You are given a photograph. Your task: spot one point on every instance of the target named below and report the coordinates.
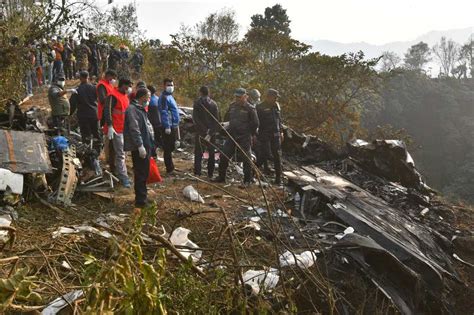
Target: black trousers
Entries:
(94, 68)
(228, 152)
(89, 128)
(269, 146)
(62, 125)
(200, 145)
(141, 169)
(168, 148)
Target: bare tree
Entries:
(446, 51)
(390, 60)
(219, 26)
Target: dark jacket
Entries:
(270, 119)
(154, 113)
(85, 101)
(206, 116)
(243, 120)
(137, 129)
(59, 104)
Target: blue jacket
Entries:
(168, 111)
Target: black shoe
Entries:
(218, 180)
(142, 205)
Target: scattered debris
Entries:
(179, 238)
(191, 193)
(306, 259)
(62, 302)
(261, 279)
(80, 229)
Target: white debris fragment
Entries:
(80, 229)
(179, 237)
(5, 220)
(58, 304)
(255, 219)
(65, 265)
(261, 279)
(348, 230)
(424, 211)
(253, 225)
(11, 180)
(191, 193)
(306, 259)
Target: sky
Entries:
(372, 21)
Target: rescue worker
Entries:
(94, 56)
(254, 97)
(82, 56)
(114, 58)
(138, 138)
(206, 124)
(169, 116)
(114, 117)
(60, 107)
(58, 62)
(270, 132)
(137, 62)
(243, 124)
(104, 88)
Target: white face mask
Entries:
(113, 81)
(61, 83)
(129, 90)
(145, 103)
(170, 89)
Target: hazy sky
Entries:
(372, 21)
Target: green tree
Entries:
(465, 58)
(417, 56)
(123, 22)
(274, 18)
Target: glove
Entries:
(156, 151)
(73, 91)
(111, 133)
(168, 131)
(142, 152)
(177, 144)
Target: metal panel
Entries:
(24, 152)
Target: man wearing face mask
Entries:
(243, 124)
(114, 117)
(104, 88)
(169, 122)
(60, 107)
(139, 139)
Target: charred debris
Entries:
(365, 211)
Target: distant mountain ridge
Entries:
(333, 48)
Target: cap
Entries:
(240, 92)
(60, 77)
(273, 92)
(125, 81)
(84, 74)
(254, 94)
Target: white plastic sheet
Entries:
(11, 180)
(306, 259)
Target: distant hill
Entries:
(371, 51)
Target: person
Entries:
(94, 56)
(68, 58)
(60, 107)
(85, 100)
(114, 118)
(206, 124)
(169, 115)
(138, 138)
(114, 58)
(254, 97)
(41, 59)
(139, 85)
(270, 134)
(137, 62)
(58, 61)
(154, 115)
(243, 124)
(82, 56)
(104, 88)
(30, 72)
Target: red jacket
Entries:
(118, 112)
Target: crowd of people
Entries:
(118, 116)
(68, 57)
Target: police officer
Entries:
(206, 124)
(270, 132)
(243, 124)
